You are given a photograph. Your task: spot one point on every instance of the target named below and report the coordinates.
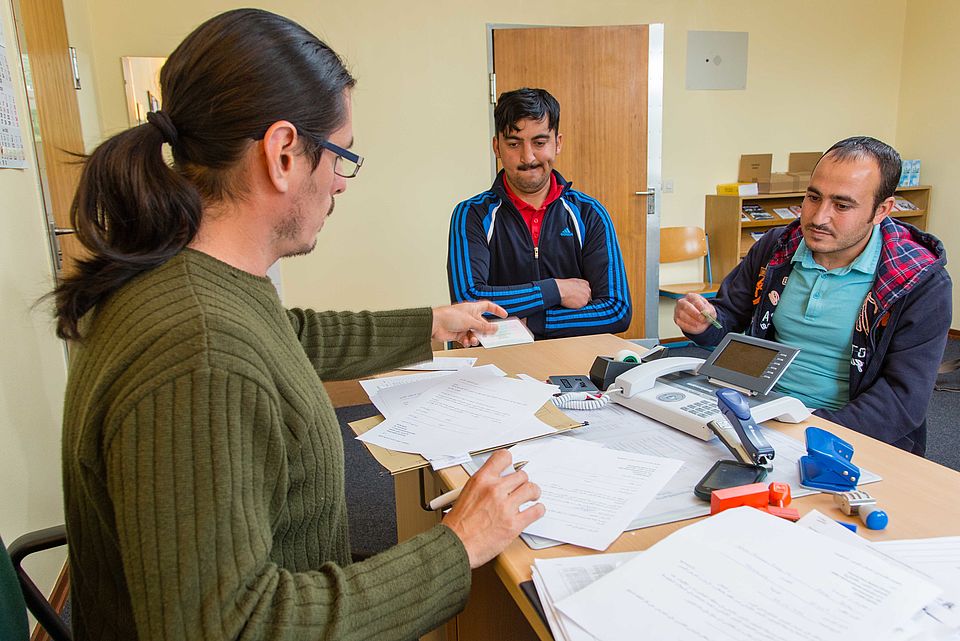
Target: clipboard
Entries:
(400, 462)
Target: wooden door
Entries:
(54, 101)
(599, 75)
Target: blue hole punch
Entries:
(827, 464)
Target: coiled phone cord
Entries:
(584, 400)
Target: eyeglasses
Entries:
(347, 164)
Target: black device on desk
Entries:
(726, 474)
(573, 383)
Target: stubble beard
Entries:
(291, 228)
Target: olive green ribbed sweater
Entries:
(203, 469)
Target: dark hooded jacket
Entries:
(898, 337)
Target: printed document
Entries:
(556, 579)
(467, 411)
(937, 560)
(746, 575)
(395, 394)
(392, 402)
(591, 493)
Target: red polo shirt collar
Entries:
(533, 216)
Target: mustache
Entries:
(526, 167)
(823, 228)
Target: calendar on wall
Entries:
(11, 140)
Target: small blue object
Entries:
(850, 526)
(874, 519)
(827, 464)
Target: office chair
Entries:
(19, 592)
(678, 244)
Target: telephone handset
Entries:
(643, 377)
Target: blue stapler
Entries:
(827, 464)
(737, 412)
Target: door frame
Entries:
(654, 156)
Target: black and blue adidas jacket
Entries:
(491, 256)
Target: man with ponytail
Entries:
(202, 459)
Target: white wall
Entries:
(927, 125)
(33, 373)
(818, 71)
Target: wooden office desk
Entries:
(919, 495)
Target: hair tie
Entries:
(162, 122)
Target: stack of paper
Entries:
(556, 579)
(449, 415)
(741, 575)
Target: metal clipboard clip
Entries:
(827, 464)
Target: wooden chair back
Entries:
(682, 243)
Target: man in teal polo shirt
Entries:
(866, 298)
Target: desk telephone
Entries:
(682, 391)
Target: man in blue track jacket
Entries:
(533, 245)
(866, 298)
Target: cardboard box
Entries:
(804, 161)
(755, 168)
(780, 183)
(801, 167)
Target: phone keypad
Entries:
(706, 410)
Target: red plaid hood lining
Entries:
(906, 256)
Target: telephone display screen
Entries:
(751, 360)
(748, 362)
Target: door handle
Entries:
(63, 231)
(651, 200)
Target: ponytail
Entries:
(132, 213)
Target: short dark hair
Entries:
(222, 88)
(519, 104)
(887, 158)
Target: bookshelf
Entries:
(730, 237)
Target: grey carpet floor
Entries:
(370, 497)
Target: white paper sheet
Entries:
(443, 363)
(394, 395)
(392, 402)
(556, 579)
(510, 331)
(590, 493)
(468, 411)
(937, 560)
(744, 575)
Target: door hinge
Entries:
(76, 67)
(493, 89)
